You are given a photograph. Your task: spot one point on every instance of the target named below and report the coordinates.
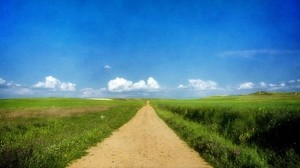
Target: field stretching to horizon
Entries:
(51, 132)
(256, 130)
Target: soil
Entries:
(145, 141)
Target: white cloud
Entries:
(140, 85)
(52, 86)
(291, 85)
(107, 67)
(181, 86)
(2, 81)
(124, 85)
(10, 84)
(202, 85)
(55, 84)
(119, 85)
(199, 84)
(246, 85)
(51, 82)
(152, 83)
(67, 86)
(281, 85)
(39, 84)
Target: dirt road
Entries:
(145, 141)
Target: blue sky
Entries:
(122, 48)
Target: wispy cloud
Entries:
(291, 85)
(198, 87)
(90, 92)
(263, 84)
(2, 81)
(12, 89)
(8, 84)
(258, 52)
(199, 84)
(279, 86)
(124, 85)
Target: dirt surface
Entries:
(145, 141)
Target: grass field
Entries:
(51, 132)
(258, 130)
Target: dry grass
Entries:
(48, 112)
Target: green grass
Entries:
(57, 102)
(219, 151)
(229, 131)
(54, 141)
(262, 127)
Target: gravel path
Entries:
(145, 141)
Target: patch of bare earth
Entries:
(145, 141)
(51, 111)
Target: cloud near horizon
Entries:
(11, 89)
(246, 85)
(8, 84)
(292, 85)
(55, 84)
(2, 81)
(90, 92)
(123, 85)
(199, 84)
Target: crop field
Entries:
(51, 132)
(257, 130)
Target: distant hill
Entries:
(261, 93)
(275, 93)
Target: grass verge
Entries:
(218, 151)
(53, 141)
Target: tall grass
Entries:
(214, 148)
(267, 123)
(55, 141)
